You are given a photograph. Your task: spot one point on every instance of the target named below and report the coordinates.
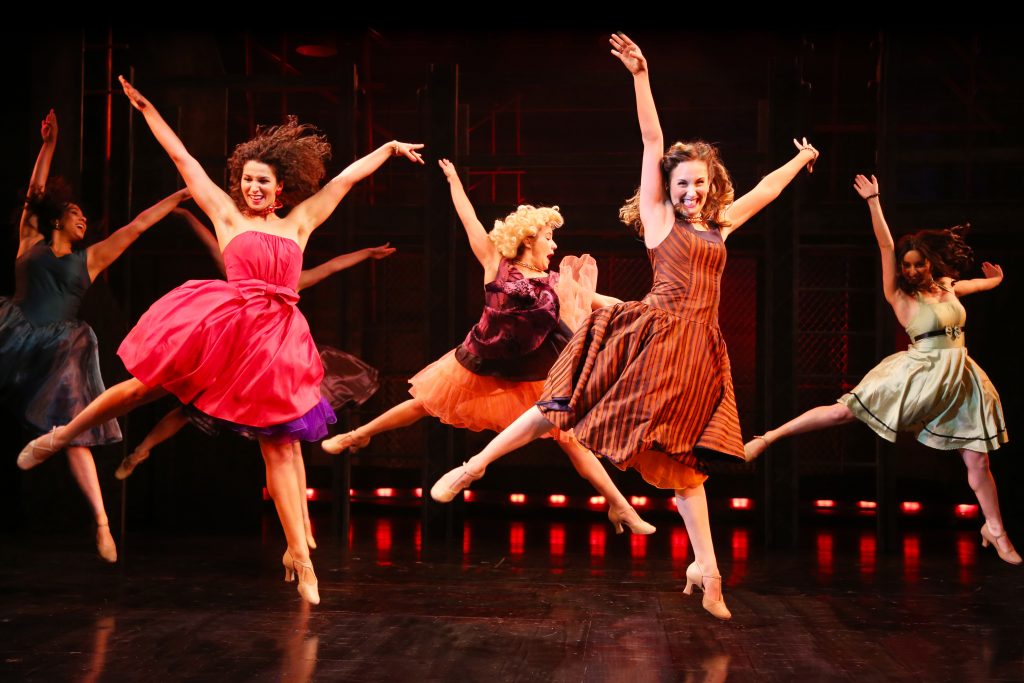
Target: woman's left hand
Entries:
(134, 96)
(383, 251)
(804, 146)
(408, 150)
(992, 271)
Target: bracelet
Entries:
(871, 196)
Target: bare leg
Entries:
(168, 426)
(112, 403)
(83, 468)
(692, 504)
(979, 476)
(300, 476)
(402, 415)
(619, 510)
(284, 489)
(821, 417)
(527, 427)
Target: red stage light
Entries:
(556, 499)
(741, 503)
(468, 495)
(517, 498)
(824, 503)
(597, 501)
(639, 501)
(910, 507)
(966, 510)
(266, 493)
(385, 492)
(867, 504)
(418, 492)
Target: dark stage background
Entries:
(544, 117)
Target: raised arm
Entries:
(770, 187)
(656, 212)
(868, 190)
(100, 255)
(310, 213)
(204, 235)
(313, 276)
(993, 276)
(214, 202)
(483, 248)
(28, 230)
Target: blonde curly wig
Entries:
(523, 223)
(720, 191)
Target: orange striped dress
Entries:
(647, 384)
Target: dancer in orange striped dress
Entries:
(647, 384)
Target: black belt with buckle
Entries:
(953, 331)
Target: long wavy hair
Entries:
(720, 191)
(295, 151)
(946, 251)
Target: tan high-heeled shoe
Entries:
(452, 483)
(630, 519)
(695, 577)
(755, 447)
(36, 452)
(308, 586)
(130, 462)
(349, 440)
(105, 543)
(988, 538)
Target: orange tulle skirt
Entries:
(459, 398)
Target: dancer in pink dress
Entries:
(240, 351)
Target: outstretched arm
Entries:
(214, 202)
(204, 235)
(310, 213)
(656, 213)
(28, 230)
(313, 276)
(770, 187)
(993, 276)
(100, 255)
(868, 190)
(483, 248)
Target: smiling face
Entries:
(72, 223)
(916, 269)
(537, 251)
(259, 186)
(688, 188)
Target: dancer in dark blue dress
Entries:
(49, 364)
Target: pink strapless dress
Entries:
(238, 351)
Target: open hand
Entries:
(383, 251)
(865, 188)
(628, 53)
(134, 96)
(448, 168)
(992, 270)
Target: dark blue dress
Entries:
(49, 360)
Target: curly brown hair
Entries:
(49, 206)
(720, 191)
(296, 151)
(946, 251)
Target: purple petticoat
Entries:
(309, 427)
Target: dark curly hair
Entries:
(49, 205)
(296, 151)
(946, 251)
(720, 192)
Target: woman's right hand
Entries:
(49, 128)
(864, 187)
(134, 96)
(449, 169)
(628, 53)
